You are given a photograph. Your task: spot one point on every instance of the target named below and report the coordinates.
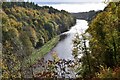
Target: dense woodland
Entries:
(102, 58)
(25, 28)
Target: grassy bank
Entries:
(38, 54)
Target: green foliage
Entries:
(104, 45)
(80, 48)
(105, 35)
(43, 50)
(26, 27)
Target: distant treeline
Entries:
(88, 16)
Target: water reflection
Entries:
(60, 58)
(64, 47)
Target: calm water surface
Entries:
(64, 48)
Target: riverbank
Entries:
(65, 46)
(44, 49)
(39, 53)
(63, 50)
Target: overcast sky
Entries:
(77, 7)
(67, 0)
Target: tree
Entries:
(81, 49)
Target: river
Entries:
(64, 48)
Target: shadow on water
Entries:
(63, 36)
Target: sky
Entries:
(81, 7)
(67, 0)
(78, 6)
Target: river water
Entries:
(64, 48)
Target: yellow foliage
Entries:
(55, 56)
(109, 73)
(14, 32)
(15, 24)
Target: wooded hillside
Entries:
(102, 58)
(26, 27)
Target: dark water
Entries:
(64, 48)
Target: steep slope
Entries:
(25, 27)
(102, 58)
